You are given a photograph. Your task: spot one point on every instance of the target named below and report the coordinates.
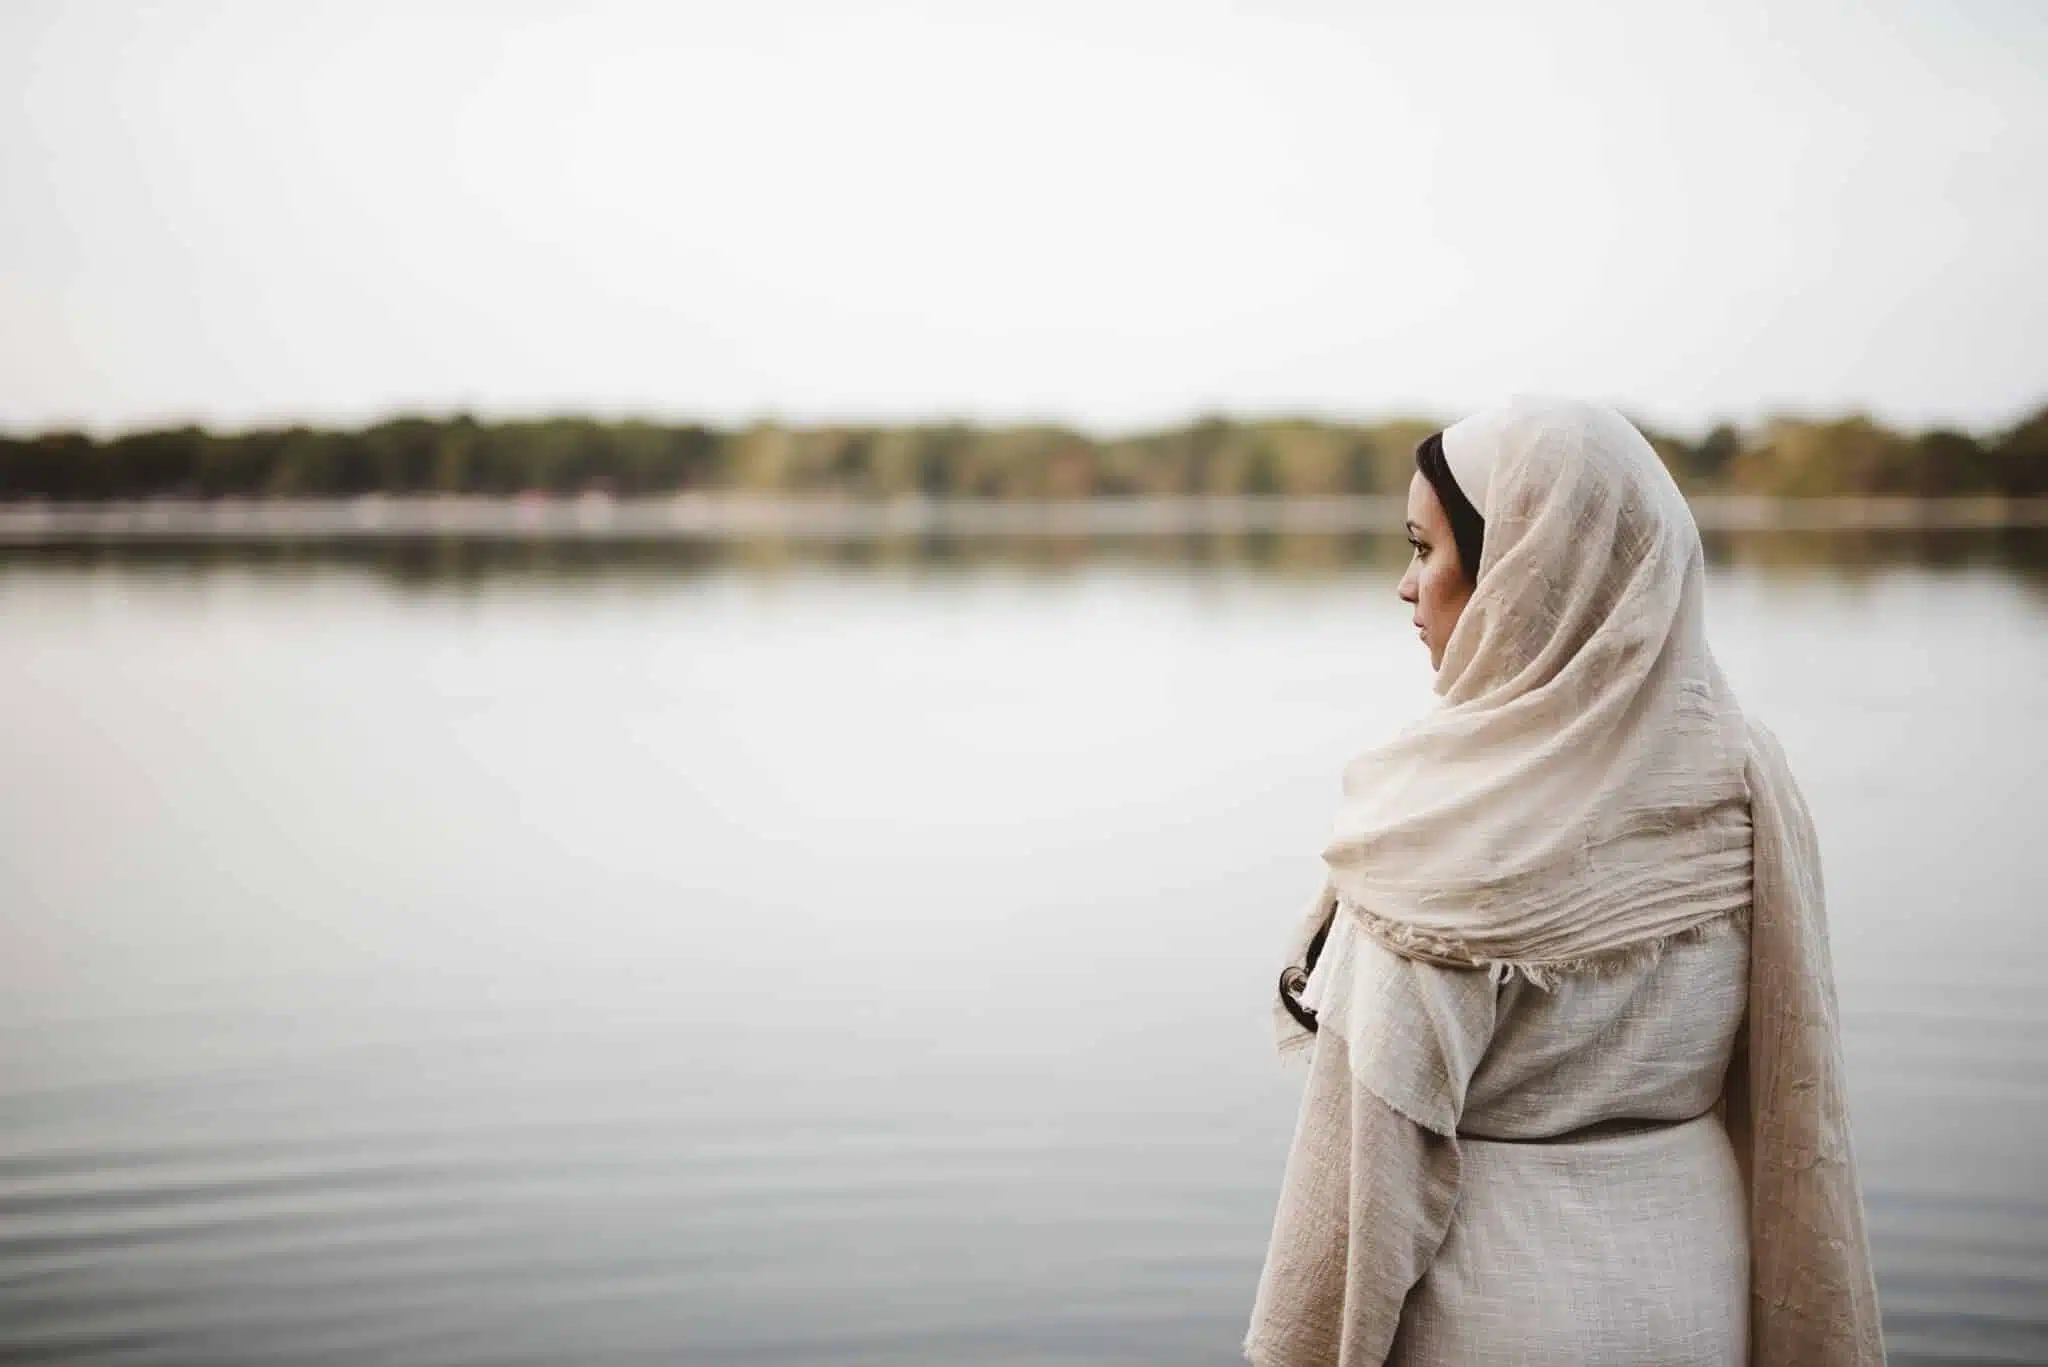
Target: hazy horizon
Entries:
(1110, 216)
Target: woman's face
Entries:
(1436, 585)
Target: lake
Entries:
(856, 954)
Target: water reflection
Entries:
(2018, 551)
(831, 952)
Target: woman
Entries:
(1575, 1087)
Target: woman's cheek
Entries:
(1433, 595)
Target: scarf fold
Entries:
(1588, 790)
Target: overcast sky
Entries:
(1115, 212)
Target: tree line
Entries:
(459, 455)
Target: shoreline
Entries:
(723, 517)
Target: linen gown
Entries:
(1510, 1173)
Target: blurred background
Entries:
(668, 671)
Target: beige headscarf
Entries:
(1589, 789)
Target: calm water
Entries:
(768, 962)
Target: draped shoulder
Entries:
(1414, 1032)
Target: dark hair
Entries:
(1468, 528)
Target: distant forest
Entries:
(417, 456)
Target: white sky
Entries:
(1109, 212)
